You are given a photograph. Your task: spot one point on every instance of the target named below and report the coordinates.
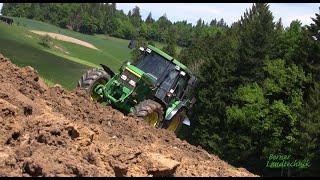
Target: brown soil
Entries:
(65, 38)
(53, 132)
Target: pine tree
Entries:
(309, 127)
(221, 23)
(149, 19)
(314, 27)
(136, 17)
(163, 24)
(216, 56)
(307, 55)
(213, 22)
(256, 37)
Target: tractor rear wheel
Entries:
(150, 111)
(91, 78)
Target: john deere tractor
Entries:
(156, 88)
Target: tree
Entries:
(171, 45)
(149, 19)
(221, 23)
(256, 33)
(307, 54)
(314, 27)
(46, 41)
(217, 56)
(161, 27)
(136, 17)
(183, 33)
(213, 22)
(136, 53)
(264, 118)
(309, 127)
(88, 25)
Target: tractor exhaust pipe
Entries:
(108, 70)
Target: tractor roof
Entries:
(170, 58)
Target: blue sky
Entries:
(230, 12)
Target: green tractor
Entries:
(156, 87)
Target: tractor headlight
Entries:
(141, 49)
(124, 77)
(132, 83)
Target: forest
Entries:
(259, 82)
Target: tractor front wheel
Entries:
(150, 111)
(175, 123)
(91, 79)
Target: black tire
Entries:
(146, 110)
(93, 77)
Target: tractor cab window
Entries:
(166, 85)
(180, 87)
(168, 82)
(153, 64)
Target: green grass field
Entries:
(25, 51)
(53, 64)
(64, 62)
(113, 50)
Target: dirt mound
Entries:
(52, 132)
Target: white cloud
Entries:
(198, 8)
(306, 19)
(294, 11)
(0, 7)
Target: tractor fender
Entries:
(108, 70)
(175, 110)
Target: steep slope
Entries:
(53, 132)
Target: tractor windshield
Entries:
(154, 64)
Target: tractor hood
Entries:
(126, 88)
(138, 72)
(123, 84)
(135, 71)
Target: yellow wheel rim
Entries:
(152, 119)
(174, 124)
(94, 96)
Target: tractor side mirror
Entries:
(132, 44)
(192, 81)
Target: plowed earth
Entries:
(53, 132)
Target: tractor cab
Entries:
(169, 76)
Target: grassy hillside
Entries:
(64, 62)
(25, 51)
(113, 50)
